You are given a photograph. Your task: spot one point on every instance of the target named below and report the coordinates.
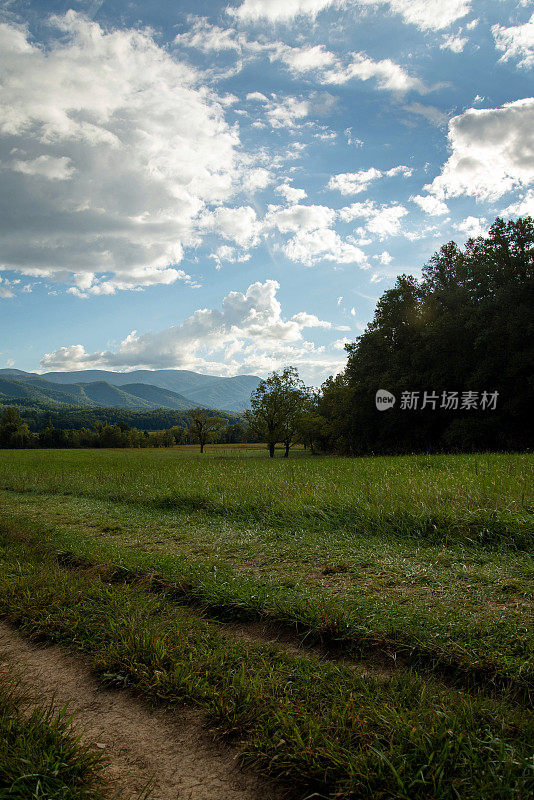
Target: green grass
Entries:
(480, 499)
(346, 548)
(321, 726)
(40, 757)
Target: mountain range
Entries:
(137, 390)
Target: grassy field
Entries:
(418, 569)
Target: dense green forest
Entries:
(28, 425)
(462, 333)
(36, 415)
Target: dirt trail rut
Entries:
(173, 749)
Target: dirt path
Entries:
(175, 750)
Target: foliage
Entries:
(466, 326)
(204, 427)
(15, 433)
(277, 406)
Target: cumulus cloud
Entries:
(430, 204)
(492, 152)
(356, 182)
(298, 59)
(240, 224)
(304, 58)
(453, 42)
(516, 42)
(291, 193)
(323, 244)
(299, 218)
(381, 219)
(473, 226)
(55, 169)
(247, 334)
(384, 257)
(109, 155)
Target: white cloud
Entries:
(208, 38)
(425, 14)
(356, 182)
(339, 344)
(453, 42)
(428, 14)
(299, 218)
(291, 193)
(473, 226)
(229, 254)
(240, 224)
(524, 207)
(402, 169)
(248, 334)
(277, 10)
(492, 152)
(516, 42)
(303, 59)
(430, 204)
(384, 257)
(149, 145)
(383, 220)
(387, 74)
(322, 244)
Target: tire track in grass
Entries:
(173, 753)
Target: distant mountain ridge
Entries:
(136, 390)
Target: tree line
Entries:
(202, 427)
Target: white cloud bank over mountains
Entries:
(248, 334)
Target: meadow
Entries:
(374, 615)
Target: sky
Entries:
(229, 187)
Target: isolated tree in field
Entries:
(203, 427)
(276, 408)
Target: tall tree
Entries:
(277, 405)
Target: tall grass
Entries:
(475, 498)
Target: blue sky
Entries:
(230, 186)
